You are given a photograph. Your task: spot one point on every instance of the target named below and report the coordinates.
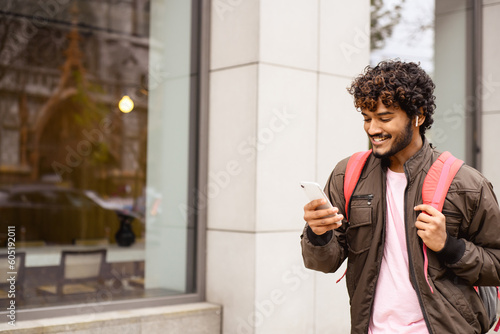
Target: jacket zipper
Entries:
(384, 209)
(368, 198)
(413, 277)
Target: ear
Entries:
(420, 118)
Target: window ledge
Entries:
(195, 318)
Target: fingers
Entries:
(317, 214)
(311, 212)
(322, 220)
(432, 235)
(322, 226)
(429, 214)
(326, 220)
(424, 226)
(319, 223)
(429, 209)
(312, 205)
(424, 217)
(431, 227)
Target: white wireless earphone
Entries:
(416, 122)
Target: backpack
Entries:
(434, 190)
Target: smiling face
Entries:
(392, 134)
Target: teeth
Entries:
(379, 139)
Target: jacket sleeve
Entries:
(327, 252)
(480, 263)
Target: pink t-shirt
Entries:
(396, 308)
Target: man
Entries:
(388, 224)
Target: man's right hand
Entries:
(316, 219)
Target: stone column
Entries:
(279, 114)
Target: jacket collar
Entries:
(419, 161)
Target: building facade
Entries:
(235, 103)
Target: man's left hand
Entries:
(431, 227)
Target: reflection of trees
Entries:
(386, 15)
(53, 106)
(383, 21)
(69, 112)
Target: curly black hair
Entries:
(397, 84)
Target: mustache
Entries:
(381, 136)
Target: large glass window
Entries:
(438, 35)
(98, 106)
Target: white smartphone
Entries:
(314, 191)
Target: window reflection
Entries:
(72, 165)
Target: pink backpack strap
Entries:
(436, 185)
(439, 178)
(352, 173)
(497, 327)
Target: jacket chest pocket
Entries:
(359, 232)
(453, 222)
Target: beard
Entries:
(401, 141)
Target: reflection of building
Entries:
(59, 95)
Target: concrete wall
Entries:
(279, 114)
(452, 118)
(453, 27)
(491, 93)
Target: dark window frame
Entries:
(475, 40)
